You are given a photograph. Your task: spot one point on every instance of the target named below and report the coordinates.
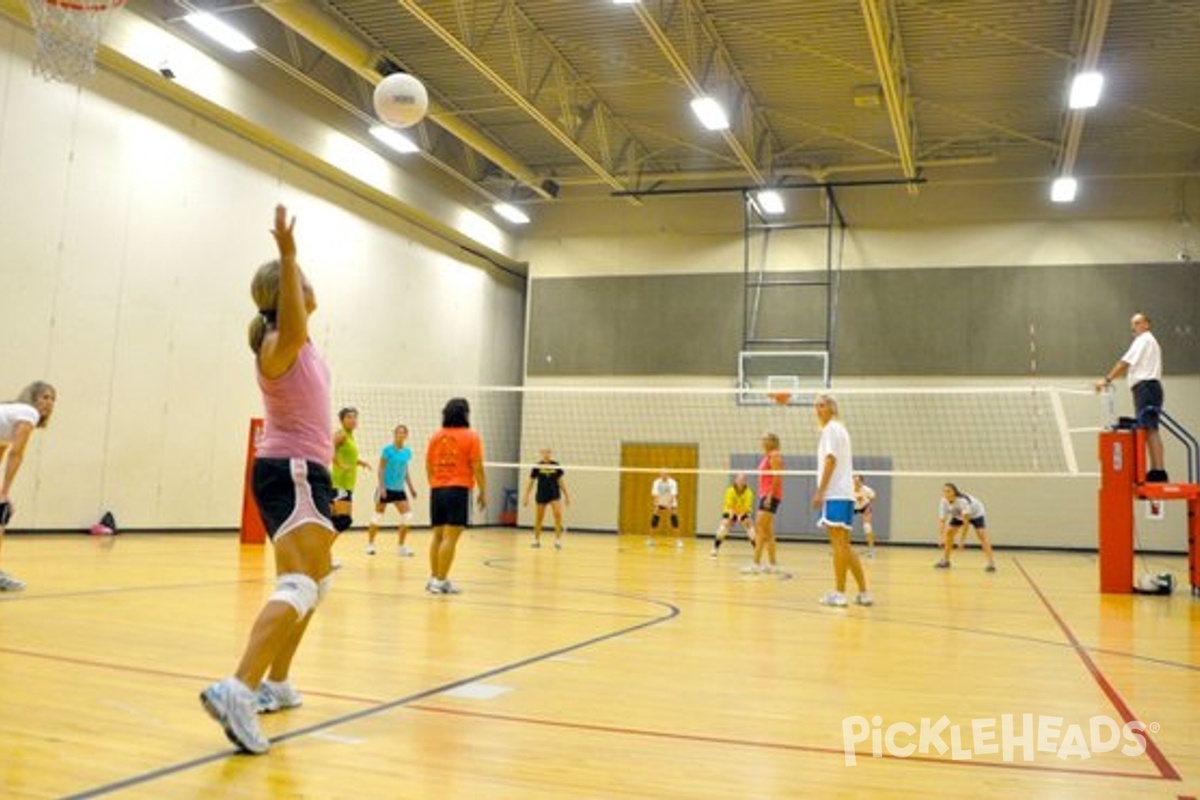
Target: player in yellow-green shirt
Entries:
(344, 470)
(737, 509)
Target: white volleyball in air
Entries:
(400, 100)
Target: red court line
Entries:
(795, 748)
(1165, 768)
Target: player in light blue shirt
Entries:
(393, 478)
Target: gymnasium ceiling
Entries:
(538, 99)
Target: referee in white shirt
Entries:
(1142, 366)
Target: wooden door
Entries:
(640, 465)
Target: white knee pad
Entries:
(406, 518)
(324, 586)
(297, 590)
(377, 519)
(867, 528)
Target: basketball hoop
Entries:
(68, 33)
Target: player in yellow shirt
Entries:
(737, 509)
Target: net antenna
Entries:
(68, 34)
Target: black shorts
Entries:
(976, 522)
(5, 513)
(1147, 403)
(769, 504)
(544, 498)
(291, 492)
(450, 505)
(744, 519)
(392, 496)
(864, 510)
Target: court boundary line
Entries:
(173, 769)
(1153, 752)
(802, 748)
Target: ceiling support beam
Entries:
(708, 63)
(309, 22)
(883, 31)
(1092, 25)
(560, 71)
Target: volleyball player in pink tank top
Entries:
(292, 487)
(770, 495)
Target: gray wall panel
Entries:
(889, 322)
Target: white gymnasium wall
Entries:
(702, 234)
(130, 230)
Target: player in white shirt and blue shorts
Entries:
(834, 498)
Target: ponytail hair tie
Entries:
(267, 314)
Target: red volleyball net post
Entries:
(253, 531)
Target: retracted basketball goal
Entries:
(68, 34)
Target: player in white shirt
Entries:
(665, 492)
(1142, 367)
(864, 500)
(18, 419)
(956, 511)
(834, 498)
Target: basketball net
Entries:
(68, 33)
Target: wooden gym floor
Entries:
(606, 670)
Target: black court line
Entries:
(163, 772)
(1156, 755)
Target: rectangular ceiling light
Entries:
(220, 32)
(1063, 189)
(1085, 90)
(625, 2)
(770, 202)
(394, 139)
(511, 213)
(710, 114)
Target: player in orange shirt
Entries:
(454, 465)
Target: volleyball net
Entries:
(1018, 447)
(913, 431)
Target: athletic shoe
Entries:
(864, 599)
(449, 587)
(274, 697)
(536, 545)
(558, 544)
(232, 705)
(679, 542)
(713, 553)
(942, 564)
(649, 543)
(404, 552)
(835, 599)
(870, 552)
(990, 568)
(370, 549)
(433, 586)
(751, 569)
(335, 564)
(10, 584)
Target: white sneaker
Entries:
(870, 552)
(370, 549)
(836, 599)
(405, 552)
(233, 705)
(274, 697)
(649, 542)
(433, 586)
(558, 544)
(536, 545)
(864, 599)
(712, 553)
(751, 569)
(679, 543)
(335, 564)
(10, 584)
(449, 587)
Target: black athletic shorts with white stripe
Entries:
(291, 492)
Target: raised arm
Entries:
(291, 314)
